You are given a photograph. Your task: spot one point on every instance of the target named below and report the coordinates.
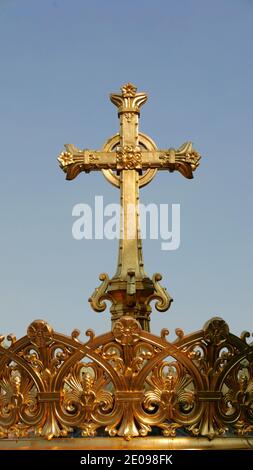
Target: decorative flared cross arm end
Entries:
(71, 161)
(129, 101)
(185, 159)
(187, 155)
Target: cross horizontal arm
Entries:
(73, 161)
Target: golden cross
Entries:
(130, 160)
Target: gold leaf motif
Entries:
(216, 331)
(126, 331)
(129, 158)
(128, 90)
(40, 333)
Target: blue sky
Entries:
(60, 59)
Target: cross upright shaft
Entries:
(129, 153)
(130, 259)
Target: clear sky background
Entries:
(59, 60)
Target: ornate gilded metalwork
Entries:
(97, 300)
(127, 382)
(122, 160)
(185, 159)
(128, 158)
